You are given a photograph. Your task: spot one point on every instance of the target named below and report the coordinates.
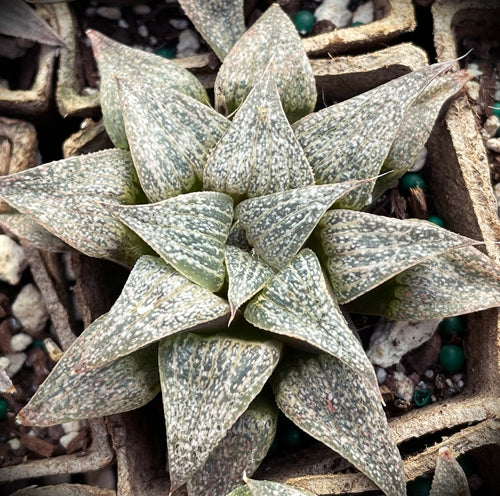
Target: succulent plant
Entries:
(246, 233)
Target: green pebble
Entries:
(4, 406)
(422, 397)
(304, 21)
(451, 325)
(451, 358)
(496, 109)
(292, 438)
(421, 486)
(38, 343)
(436, 220)
(167, 53)
(410, 180)
(357, 23)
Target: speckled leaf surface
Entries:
(268, 488)
(278, 225)
(259, 154)
(170, 136)
(188, 231)
(457, 282)
(350, 140)
(220, 22)
(297, 303)
(241, 451)
(63, 196)
(363, 250)
(156, 302)
(207, 383)
(247, 275)
(273, 38)
(117, 60)
(123, 385)
(449, 477)
(340, 408)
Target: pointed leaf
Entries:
(449, 477)
(273, 38)
(460, 281)
(220, 22)
(187, 231)
(241, 451)
(363, 250)
(117, 60)
(123, 385)
(170, 136)
(268, 488)
(156, 302)
(247, 275)
(340, 408)
(351, 139)
(207, 383)
(259, 154)
(278, 225)
(63, 196)
(297, 303)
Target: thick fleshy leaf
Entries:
(123, 385)
(267, 488)
(457, 282)
(259, 154)
(207, 383)
(247, 275)
(63, 196)
(188, 231)
(342, 409)
(350, 140)
(363, 250)
(278, 225)
(449, 477)
(170, 135)
(241, 451)
(117, 60)
(297, 303)
(272, 39)
(220, 22)
(156, 302)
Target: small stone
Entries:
(179, 24)
(12, 260)
(14, 444)
(474, 71)
(30, 309)
(335, 11)
(20, 341)
(449, 383)
(90, 11)
(473, 88)
(429, 373)
(16, 362)
(457, 377)
(14, 324)
(491, 126)
(401, 386)
(67, 438)
(381, 375)
(73, 426)
(493, 144)
(6, 386)
(440, 382)
(141, 9)
(364, 13)
(420, 161)
(153, 40)
(143, 31)
(122, 23)
(4, 362)
(460, 385)
(188, 44)
(111, 13)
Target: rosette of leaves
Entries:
(246, 234)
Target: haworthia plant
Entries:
(449, 477)
(225, 221)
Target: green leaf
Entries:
(259, 154)
(241, 451)
(457, 282)
(123, 385)
(247, 275)
(156, 302)
(220, 22)
(268, 488)
(350, 140)
(207, 383)
(297, 303)
(187, 231)
(342, 409)
(63, 196)
(363, 250)
(273, 38)
(117, 60)
(170, 136)
(449, 478)
(278, 225)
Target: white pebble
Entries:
(460, 385)
(429, 373)
(364, 13)
(420, 161)
(179, 24)
(14, 444)
(433, 399)
(153, 40)
(141, 9)
(403, 386)
(335, 11)
(457, 377)
(122, 23)
(30, 309)
(188, 44)
(90, 11)
(12, 260)
(73, 426)
(67, 438)
(473, 90)
(491, 126)
(143, 31)
(20, 341)
(4, 362)
(111, 13)
(381, 375)
(16, 362)
(493, 144)
(449, 383)
(474, 71)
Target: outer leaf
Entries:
(363, 250)
(350, 140)
(63, 196)
(170, 136)
(297, 303)
(273, 38)
(340, 408)
(247, 275)
(449, 478)
(187, 231)
(241, 451)
(278, 225)
(461, 281)
(117, 60)
(259, 154)
(156, 302)
(268, 488)
(220, 22)
(123, 385)
(207, 383)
